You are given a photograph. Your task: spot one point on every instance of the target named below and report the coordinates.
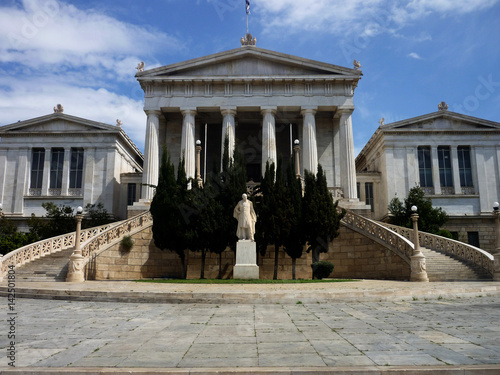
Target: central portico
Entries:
(264, 100)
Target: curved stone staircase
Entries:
(52, 267)
(38, 266)
(442, 267)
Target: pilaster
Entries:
(188, 141)
(151, 154)
(435, 171)
(347, 165)
(268, 136)
(455, 170)
(46, 172)
(309, 144)
(65, 176)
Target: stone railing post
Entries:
(418, 266)
(75, 268)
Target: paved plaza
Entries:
(417, 332)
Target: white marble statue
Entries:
(245, 214)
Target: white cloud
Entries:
(42, 33)
(415, 55)
(37, 98)
(362, 17)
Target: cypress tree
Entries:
(321, 217)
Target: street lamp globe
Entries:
(414, 209)
(79, 210)
(198, 142)
(496, 205)
(296, 142)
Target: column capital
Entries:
(308, 110)
(343, 111)
(188, 111)
(228, 111)
(268, 109)
(152, 112)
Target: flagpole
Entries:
(247, 22)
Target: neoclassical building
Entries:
(262, 99)
(66, 160)
(454, 158)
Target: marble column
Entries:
(309, 144)
(268, 137)
(46, 172)
(188, 142)
(65, 175)
(228, 129)
(151, 154)
(347, 166)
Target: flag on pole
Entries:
(247, 6)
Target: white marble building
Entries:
(66, 160)
(455, 159)
(264, 100)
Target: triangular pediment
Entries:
(57, 123)
(248, 61)
(442, 121)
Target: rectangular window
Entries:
(425, 166)
(464, 166)
(131, 194)
(37, 161)
(76, 168)
(358, 189)
(56, 168)
(445, 174)
(473, 238)
(369, 194)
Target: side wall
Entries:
(353, 255)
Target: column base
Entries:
(75, 269)
(418, 268)
(246, 259)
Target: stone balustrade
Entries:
(111, 236)
(381, 234)
(457, 249)
(42, 248)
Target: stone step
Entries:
(52, 267)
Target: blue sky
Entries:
(414, 53)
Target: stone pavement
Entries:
(425, 332)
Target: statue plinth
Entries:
(246, 261)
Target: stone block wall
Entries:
(353, 255)
(265, 263)
(485, 226)
(358, 257)
(143, 261)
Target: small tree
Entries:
(96, 216)
(430, 219)
(11, 239)
(59, 220)
(321, 217)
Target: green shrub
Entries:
(127, 243)
(322, 269)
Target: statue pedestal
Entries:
(246, 261)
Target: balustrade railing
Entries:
(42, 248)
(111, 236)
(379, 233)
(457, 249)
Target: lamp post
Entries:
(198, 163)
(75, 269)
(296, 149)
(418, 266)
